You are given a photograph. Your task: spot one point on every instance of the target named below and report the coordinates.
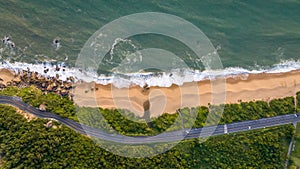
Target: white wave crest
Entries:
(163, 79)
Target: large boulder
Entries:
(17, 79)
(49, 88)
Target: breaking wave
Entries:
(162, 79)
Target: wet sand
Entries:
(6, 75)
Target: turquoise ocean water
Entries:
(250, 35)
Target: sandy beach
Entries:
(264, 86)
(6, 75)
(168, 99)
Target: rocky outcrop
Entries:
(46, 84)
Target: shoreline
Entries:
(250, 87)
(161, 79)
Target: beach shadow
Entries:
(146, 106)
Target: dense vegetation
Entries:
(259, 109)
(35, 97)
(127, 123)
(295, 153)
(60, 147)
(298, 101)
(30, 145)
(122, 121)
(283, 106)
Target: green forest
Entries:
(35, 97)
(30, 145)
(127, 123)
(295, 154)
(26, 144)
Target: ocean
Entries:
(250, 36)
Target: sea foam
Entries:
(163, 79)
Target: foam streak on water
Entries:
(164, 79)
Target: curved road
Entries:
(164, 137)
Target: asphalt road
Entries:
(165, 137)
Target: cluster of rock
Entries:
(7, 42)
(46, 84)
(56, 43)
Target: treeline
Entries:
(258, 109)
(30, 145)
(62, 106)
(127, 123)
(294, 160)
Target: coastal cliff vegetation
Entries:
(127, 123)
(30, 145)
